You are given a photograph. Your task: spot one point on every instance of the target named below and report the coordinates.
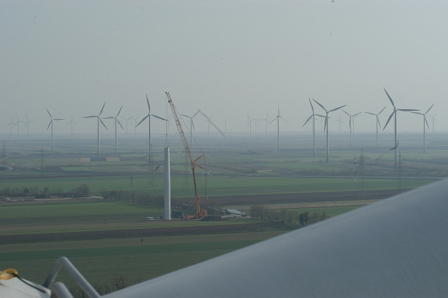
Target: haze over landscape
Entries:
(228, 58)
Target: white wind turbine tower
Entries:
(326, 124)
(115, 123)
(249, 121)
(394, 114)
(191, 126)
(18, 126)
(27, 124)
(51, 124)
(135, 123)
(266, 124)
(11, 124)
(278, 127)
(377, 123)
(351, 124)
(433, 120)
(71, 126)
(313, 116)
(149, 130)
(339, 120)
(126, 120)
(424, 128)
(98, 120)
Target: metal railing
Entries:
(59, 289)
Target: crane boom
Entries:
(199, 213)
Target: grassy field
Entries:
(242, 172)
(103, 260)
(216, 185)
(135, 259)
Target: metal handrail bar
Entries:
(60, 290)
(80, 280)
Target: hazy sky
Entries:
(227, 58)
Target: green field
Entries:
(98, 235)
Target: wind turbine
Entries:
(27, 124)
(377, 124)
(149, 129)
(249, 121)
(115, 122)
(98, 120)
(71, 126)
(191, 126)
(135, 123)
(126, 120)
(267, 121)
(18, 126)
(326, 123)
(339, 120)
(394, 113)
(51, 124)
(313, 116)
(350, 124)
(424, 128)
(278, 126)
(211, 122)
(433, 120)
(12, 124)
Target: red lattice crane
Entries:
(199, 212)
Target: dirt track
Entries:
(356, 197)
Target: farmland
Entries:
(113, 245)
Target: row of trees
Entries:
(285, 216)
(81, 191)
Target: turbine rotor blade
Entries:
(119, 111)
(307, 120)
(147, 101)
(101, 120)
(424, 118)
(311, 104)
(381, 111)
(283, 118)
(390, 98)
(142, 120)
(390, 117)
(408, 110)
(49, 114)
(102, 108)
(119, 123)
(320, 105)
(49, 124)
(396, 146)
(336, 109)
(159, 117)
(430, 108)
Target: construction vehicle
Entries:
(193, 162)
